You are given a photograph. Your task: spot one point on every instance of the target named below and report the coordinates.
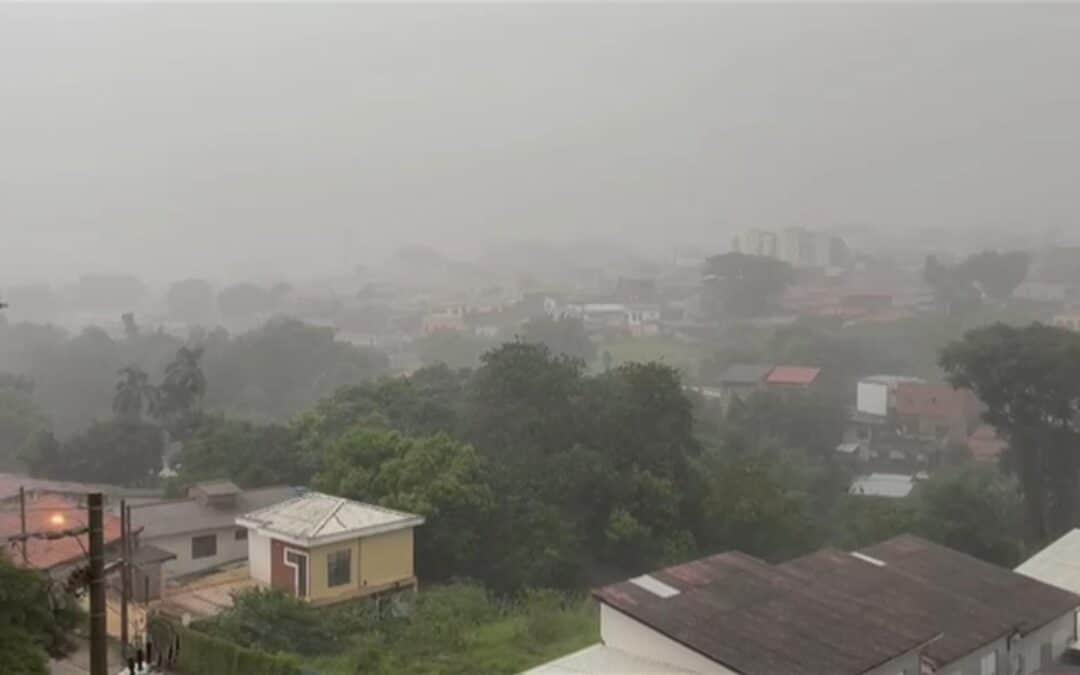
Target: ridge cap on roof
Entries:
(341, 501)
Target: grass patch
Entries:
(684, 356)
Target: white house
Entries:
(201, 530)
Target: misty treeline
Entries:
(532, 470)
(269, 373)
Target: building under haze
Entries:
(797, 246)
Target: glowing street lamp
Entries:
(57, 519)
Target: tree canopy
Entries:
(561, 335)
(35, 623)
(1029, 378)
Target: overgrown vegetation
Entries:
(457, 629)
(35, 621)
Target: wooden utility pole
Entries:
(22, 520)
(99, 657)
(124, 588)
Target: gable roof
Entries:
(179, 516)
(753, 618)
(48, 553)
(793, 375)
(799, 617)
(965, 623)
(1058, 564)
(1030, 604)
(745, 373)
(314, 518)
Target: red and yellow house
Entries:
(327, 549)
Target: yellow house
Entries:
(326, 549)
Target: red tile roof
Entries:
(792, 375)
(985, 445)
(51, 513)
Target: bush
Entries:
(202, 654)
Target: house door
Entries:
(299, 563)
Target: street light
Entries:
(57, 519)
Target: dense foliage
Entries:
(269, 374)
(35, 623)
(1030, 380)
(457, 629)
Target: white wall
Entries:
(1058, 633)
(228, 550)
(259, 557)
(621, 632)
(971, 664)
(872, 398)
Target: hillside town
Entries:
(539, 339)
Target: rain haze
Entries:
(540, 338)
(229, 141)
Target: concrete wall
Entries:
(1057, 634)
(259, 557)
(872, 398)
(229, 549)
(619, 631)
(972, 663)
(386, 558)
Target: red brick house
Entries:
(937, 411)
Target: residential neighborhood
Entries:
(560, 338)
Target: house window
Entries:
(204, 546)
(241, 534)
(988, 665)
(339, 567)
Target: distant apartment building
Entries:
(801, 248)
(902, 607)
(757, 242)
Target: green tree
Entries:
(249, 454)
(183, 387)
(1029, 378)
(117, 452)
(281, 368)
(436, 477)
(134, 395)
(20, 419)
(997, 274)
(744, 285)
(35, 623)
(973, 509)
(749, 510)
(523, 401)
(563, 335)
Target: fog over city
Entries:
(292, 141)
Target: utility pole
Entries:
(99, 657)
(124, 588)
(22, 520)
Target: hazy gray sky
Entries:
(172, 140)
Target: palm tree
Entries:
(184, 383)
(134, 393)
